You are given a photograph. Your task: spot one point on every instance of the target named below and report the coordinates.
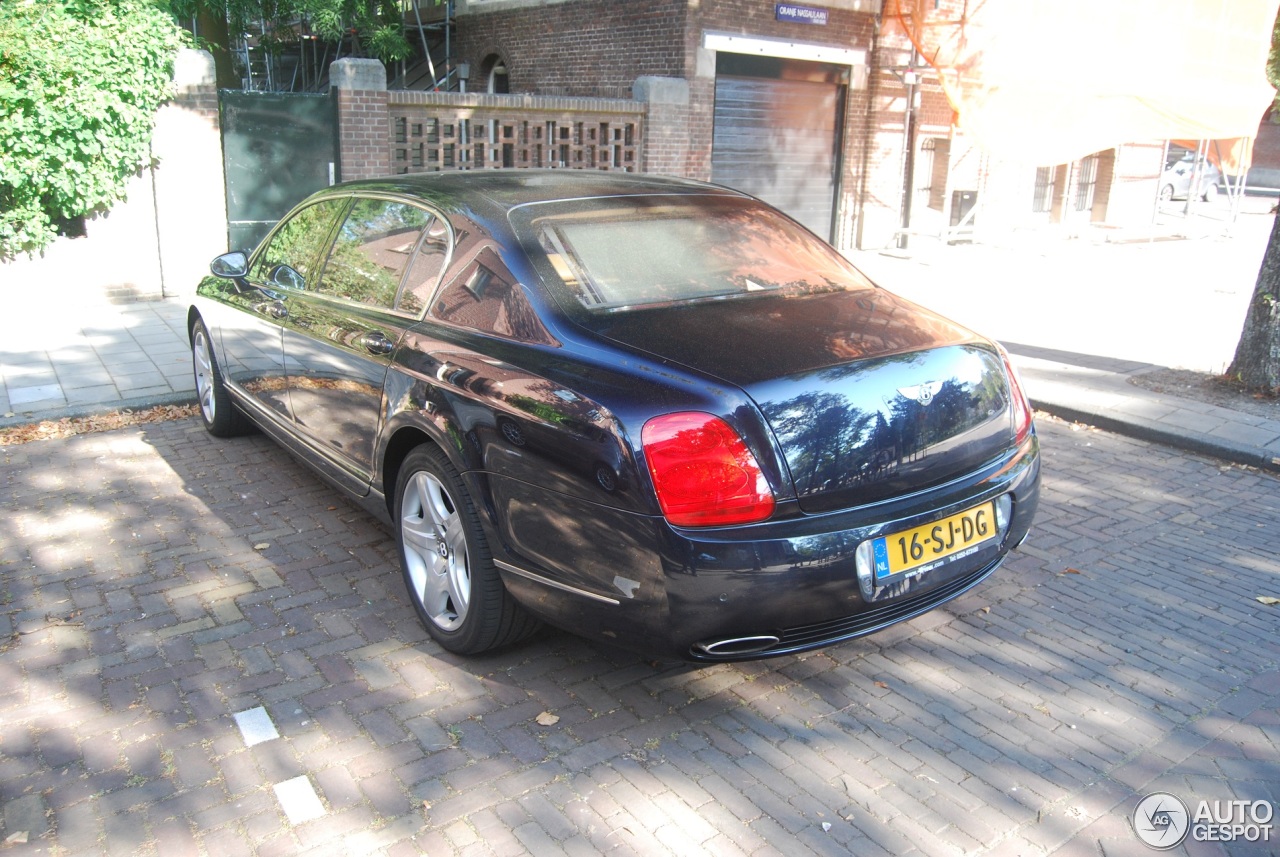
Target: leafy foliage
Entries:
(1273, 61)
(377, 24)
(70, 426)
(80, 82)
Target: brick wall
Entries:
(190, 193)
(200, 100)
(1102, 186)
(884, 153)
(363, 131)
(601, 48)
(573, 48)
(668, 145)
(666, 140)
(1133, 183)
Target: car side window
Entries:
(372, 251)
(291, 259)
(486, 297)
(424, 273)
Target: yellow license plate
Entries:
(931, 543)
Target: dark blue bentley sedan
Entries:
(647, 410)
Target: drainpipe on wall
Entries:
(873, 87)
(912, 81)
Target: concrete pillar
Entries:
(364, 122)
(190, 189)
(667, 136)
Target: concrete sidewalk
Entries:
(137, 355)
(1098, 391)
(78, 360)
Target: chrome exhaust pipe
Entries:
(737, 646)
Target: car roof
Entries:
(501, 190)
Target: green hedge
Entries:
(80, 83)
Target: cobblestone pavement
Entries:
(205, 651)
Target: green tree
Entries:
(1273, 66)
(80, 83)
(378, 25)
(1256, 364)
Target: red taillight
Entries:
(703, 472)
(1021, 405)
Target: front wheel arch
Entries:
(401, 444)
(218, 412)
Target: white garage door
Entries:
(777, 134)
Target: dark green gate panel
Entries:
(277, 147)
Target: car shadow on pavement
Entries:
(161, 588)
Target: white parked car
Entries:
(1175, 181)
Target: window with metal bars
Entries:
(1042, 200)
(1086, 181)
(925, 171)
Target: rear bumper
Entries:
(742, 593)
(875, 617)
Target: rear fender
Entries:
(415, 413)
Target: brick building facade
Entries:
(825, 111)
(666, 54)
(671, 55)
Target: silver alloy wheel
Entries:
(435, 551)
(203, 360)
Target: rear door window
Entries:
(428, 264)
(485, 296)
(373, 251)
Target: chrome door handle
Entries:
(276, 310)
(376, 343)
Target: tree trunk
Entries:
(212, 27)
(1257, 362)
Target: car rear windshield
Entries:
(627, 253)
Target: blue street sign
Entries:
(801, 14)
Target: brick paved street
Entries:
(205, 651)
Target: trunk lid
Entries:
(868, 395)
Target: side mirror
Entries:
(283, 275)
(230, 266)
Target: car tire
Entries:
(218, 412)
(1210, 193)
(1166, 193)
(445, 560)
